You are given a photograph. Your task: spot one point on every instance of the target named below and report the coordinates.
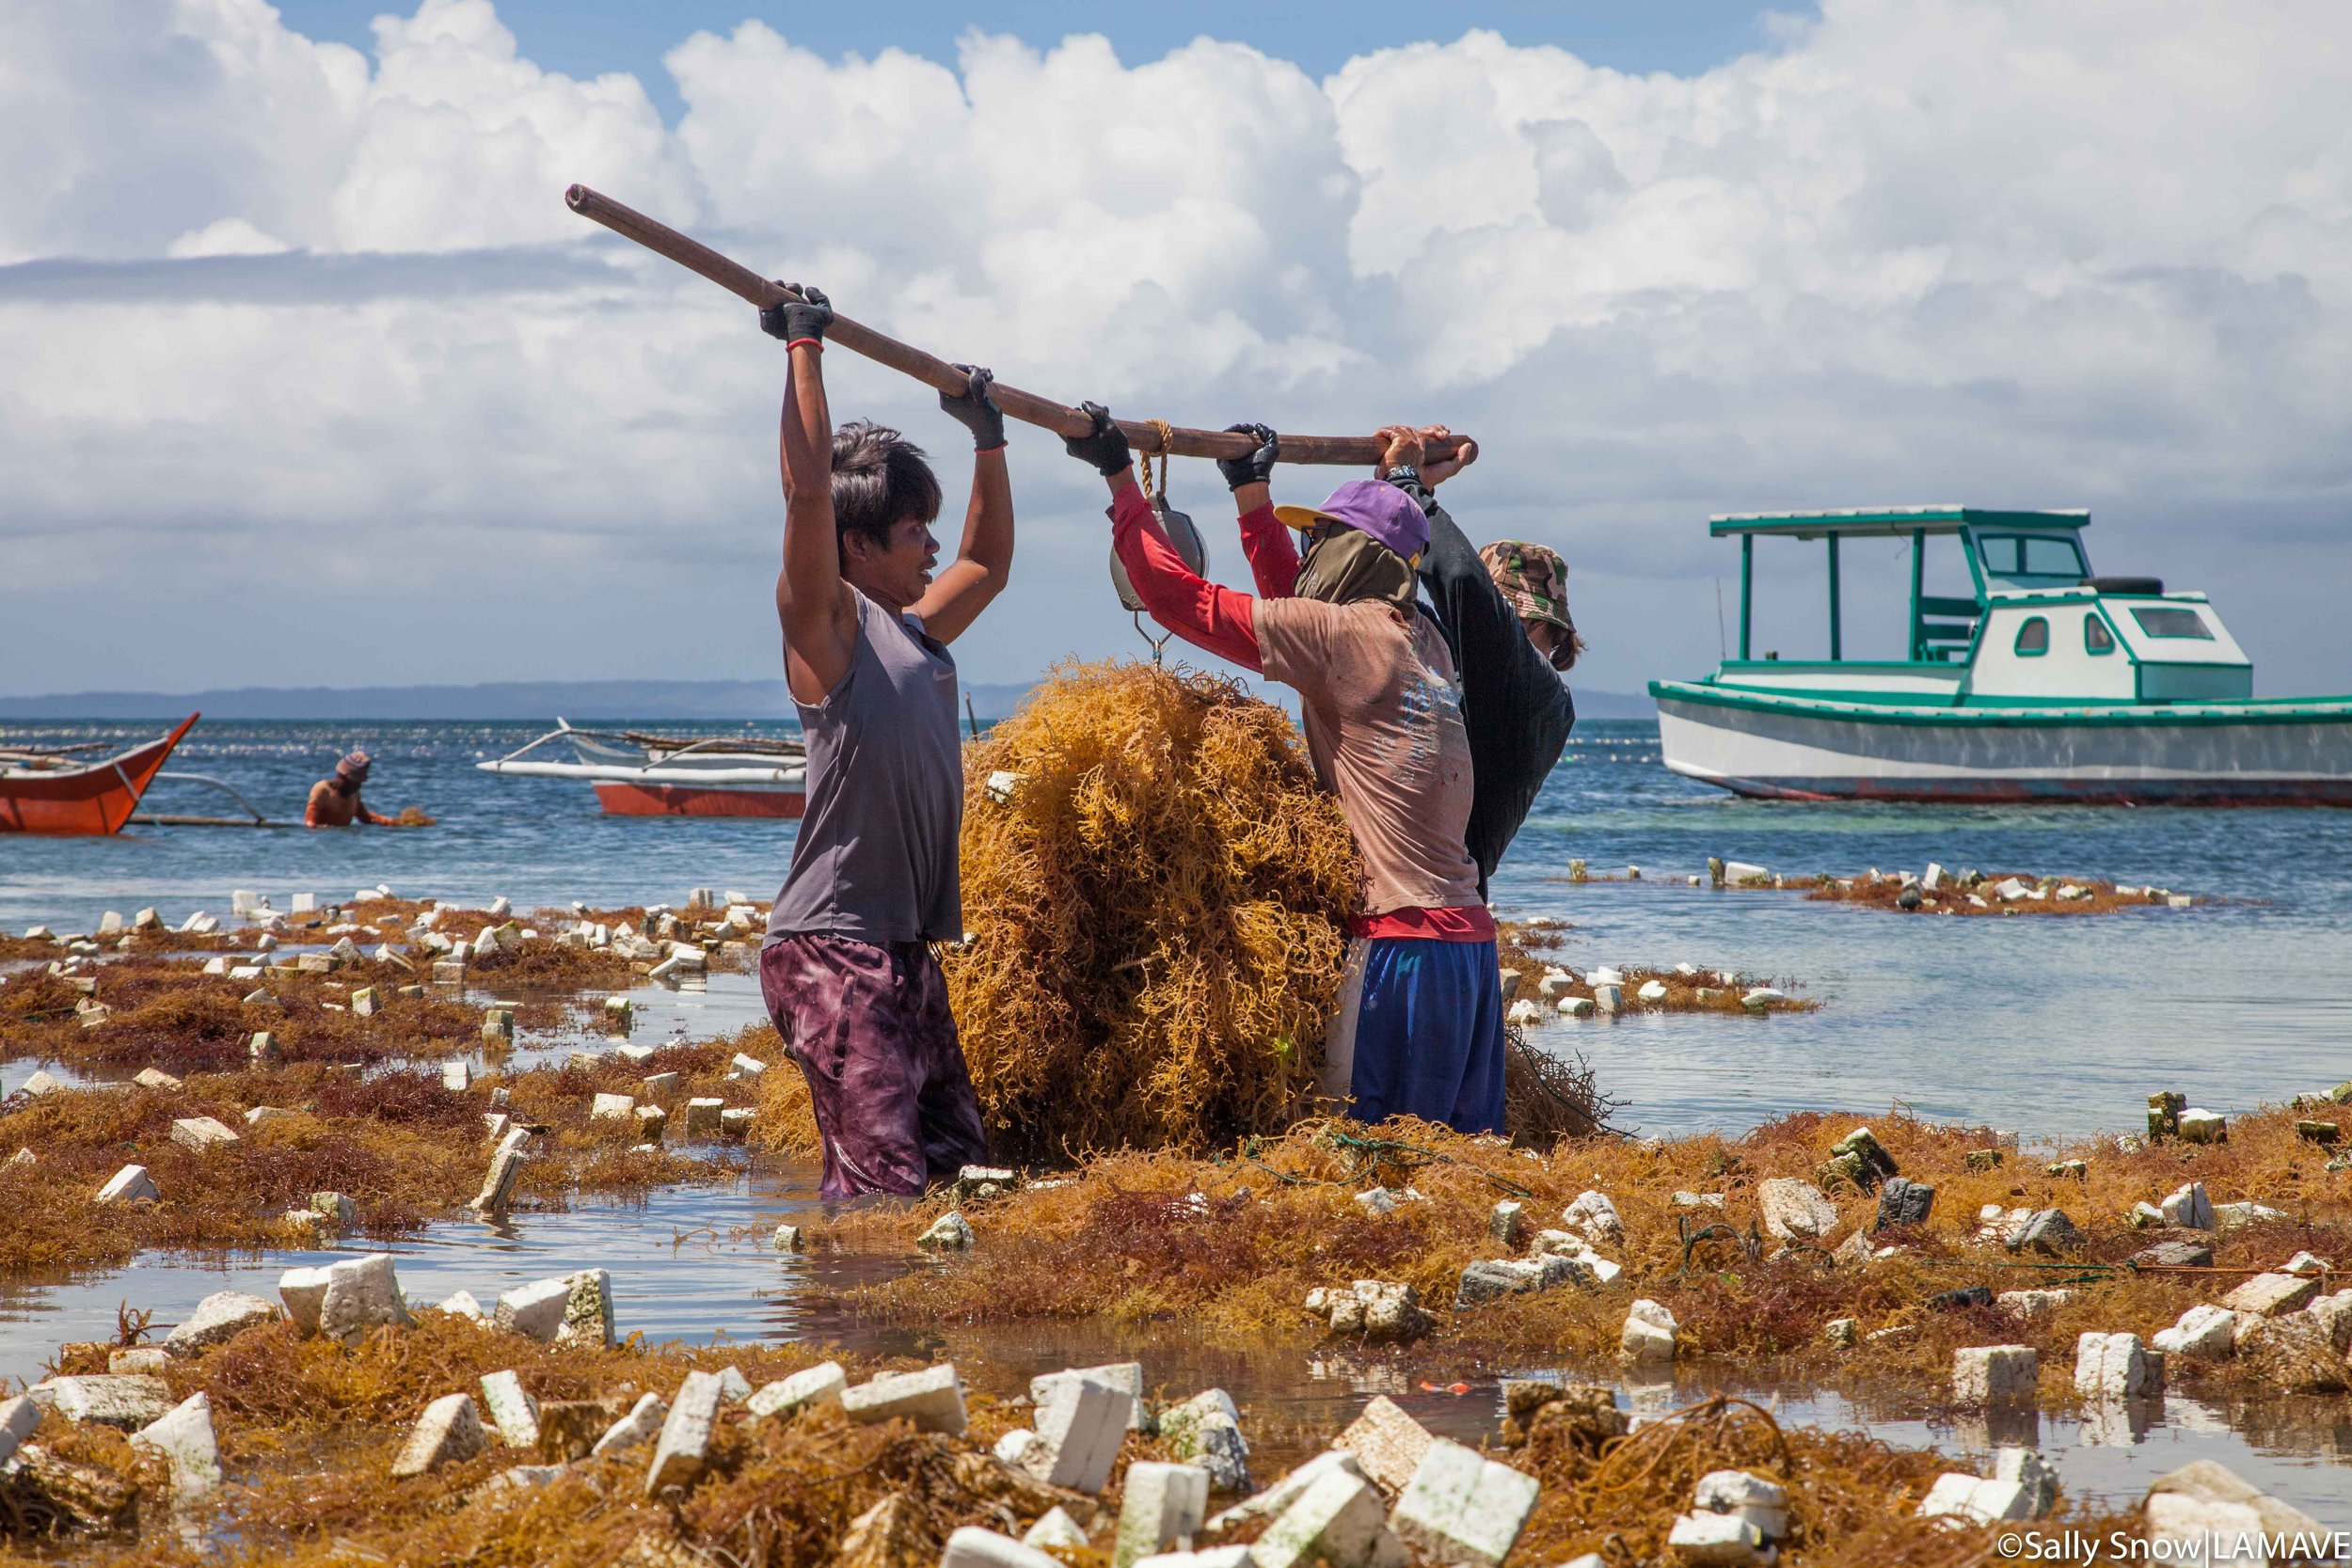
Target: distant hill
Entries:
(578, 701)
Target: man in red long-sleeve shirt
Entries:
(1420, 1031)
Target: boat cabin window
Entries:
(2055, 556)
(2033, 637)
(2170, 622)
(2096, 638)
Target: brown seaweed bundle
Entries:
(1156, 911)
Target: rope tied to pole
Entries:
(1143, 466)
(1176, 524)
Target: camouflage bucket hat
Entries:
(1533, 580)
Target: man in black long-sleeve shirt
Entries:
(1517, 709)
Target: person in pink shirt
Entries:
(1420, 1031)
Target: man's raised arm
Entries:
(983, 561)
(1199, 611)
(1265, 544)
(813, 604)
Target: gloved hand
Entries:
(1256, 469)
(798, 319)
(975, 410)
(1104, 446)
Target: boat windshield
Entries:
(2172, 623)
(2050, 557)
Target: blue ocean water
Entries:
(2049, 1026)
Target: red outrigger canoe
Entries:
(56, 791)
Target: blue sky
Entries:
(587, 37)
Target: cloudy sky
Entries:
(308, 376)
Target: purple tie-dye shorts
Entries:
(871, 1029)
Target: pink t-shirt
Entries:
(1384, 726)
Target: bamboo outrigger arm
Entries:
(1027, 406)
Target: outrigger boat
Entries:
(65, 789)
(636, 774)
(2047, 683)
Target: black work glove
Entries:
(1104, 446)
(975, 410)
(796, 319)
(1256, 469)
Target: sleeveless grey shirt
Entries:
(875, 856)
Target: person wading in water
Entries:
(335, 802)
(846, 970)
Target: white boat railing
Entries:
(562, 731)
(653, 769)
(793, 776)
(669, 754)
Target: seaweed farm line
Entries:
(697, 1266)
(2143, 996)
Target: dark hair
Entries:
(880, 478)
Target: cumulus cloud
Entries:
(283, 316)
(227, 237)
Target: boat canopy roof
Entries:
(1885, 522)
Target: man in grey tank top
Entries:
(846, 970)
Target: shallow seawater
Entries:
(705, 1008)
(2051, 1026)
(698, 1264)
(711, 1006)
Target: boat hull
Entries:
(85, 801)
(746, 788)
(642, 799)
(2252, 753)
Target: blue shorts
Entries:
(1429, 1034)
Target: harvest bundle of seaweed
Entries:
(1157, 903)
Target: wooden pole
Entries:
(1028, 407)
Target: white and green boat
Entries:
(2047, 683)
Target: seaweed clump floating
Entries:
(1156, 893)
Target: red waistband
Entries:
(1471, 922)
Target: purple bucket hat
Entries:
(1370, 506)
